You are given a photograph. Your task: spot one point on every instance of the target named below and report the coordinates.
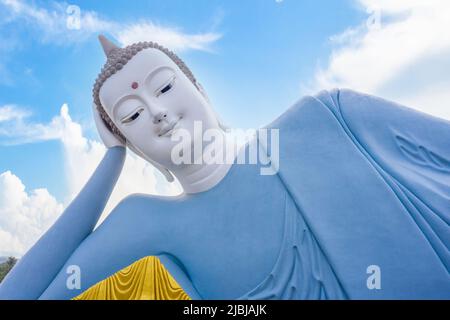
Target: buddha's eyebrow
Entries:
(122, 99)
(152, 73)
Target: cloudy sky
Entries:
(255, 58)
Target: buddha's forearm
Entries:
(35, 271)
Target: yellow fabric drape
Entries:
(145, 279)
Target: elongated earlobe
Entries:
(164, 171)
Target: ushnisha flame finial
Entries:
(107, 45)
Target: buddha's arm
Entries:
(39, 266)
(134, 229)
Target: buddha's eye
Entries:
(165, 87)
(133, 116)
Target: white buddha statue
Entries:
(363, 184)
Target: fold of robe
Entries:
(372, 180)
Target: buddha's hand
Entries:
(109, 139)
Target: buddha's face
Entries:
(149, 99)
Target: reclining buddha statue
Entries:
(357, 205)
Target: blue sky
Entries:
(255, 58)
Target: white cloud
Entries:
(16, 129)
(406, 58)
(166, 36)
(12, 112)
(51, 25)
(24, 216)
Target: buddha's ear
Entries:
(219, 119)
(164, 171)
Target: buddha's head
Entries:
(144, 93)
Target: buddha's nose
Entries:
(160, 116)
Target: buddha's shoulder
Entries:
(324, 101)
(327, 105)
(140, 202)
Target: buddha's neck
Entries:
(202, 176)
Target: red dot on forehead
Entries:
(135, 85)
